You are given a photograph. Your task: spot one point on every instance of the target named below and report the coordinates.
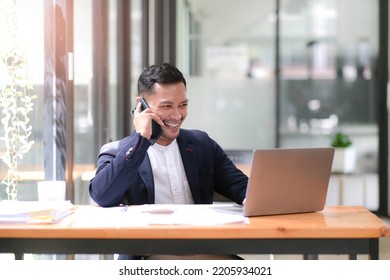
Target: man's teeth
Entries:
(172, 125)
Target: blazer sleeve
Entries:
(117, 169)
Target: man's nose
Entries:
(177, 114)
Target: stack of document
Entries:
(37, 212)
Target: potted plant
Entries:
(16, 104)
(345, 154)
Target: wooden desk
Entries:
(336, 230)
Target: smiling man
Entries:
(181, 167)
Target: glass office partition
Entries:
(327, 53)
(84, 147)
(329, 80)
(99, 31)
(328, 72)
(226, 51)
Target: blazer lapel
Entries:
(190, 163)
(145, 172)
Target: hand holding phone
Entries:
(157, 131)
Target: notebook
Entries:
(286, 181)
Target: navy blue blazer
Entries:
(124, 174)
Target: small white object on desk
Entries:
(51, 190)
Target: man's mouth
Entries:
(172, 125)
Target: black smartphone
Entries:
(157, 131)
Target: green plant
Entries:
(341, 140)
(15, 105)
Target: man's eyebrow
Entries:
(170, 102)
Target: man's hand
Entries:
(143, 120)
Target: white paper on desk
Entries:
(110, 216)
(191, 215)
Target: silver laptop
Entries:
(285, 181)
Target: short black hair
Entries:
(164, 73)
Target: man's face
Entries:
(170, 102)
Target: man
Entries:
(181, 167)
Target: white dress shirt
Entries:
(170, 180)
